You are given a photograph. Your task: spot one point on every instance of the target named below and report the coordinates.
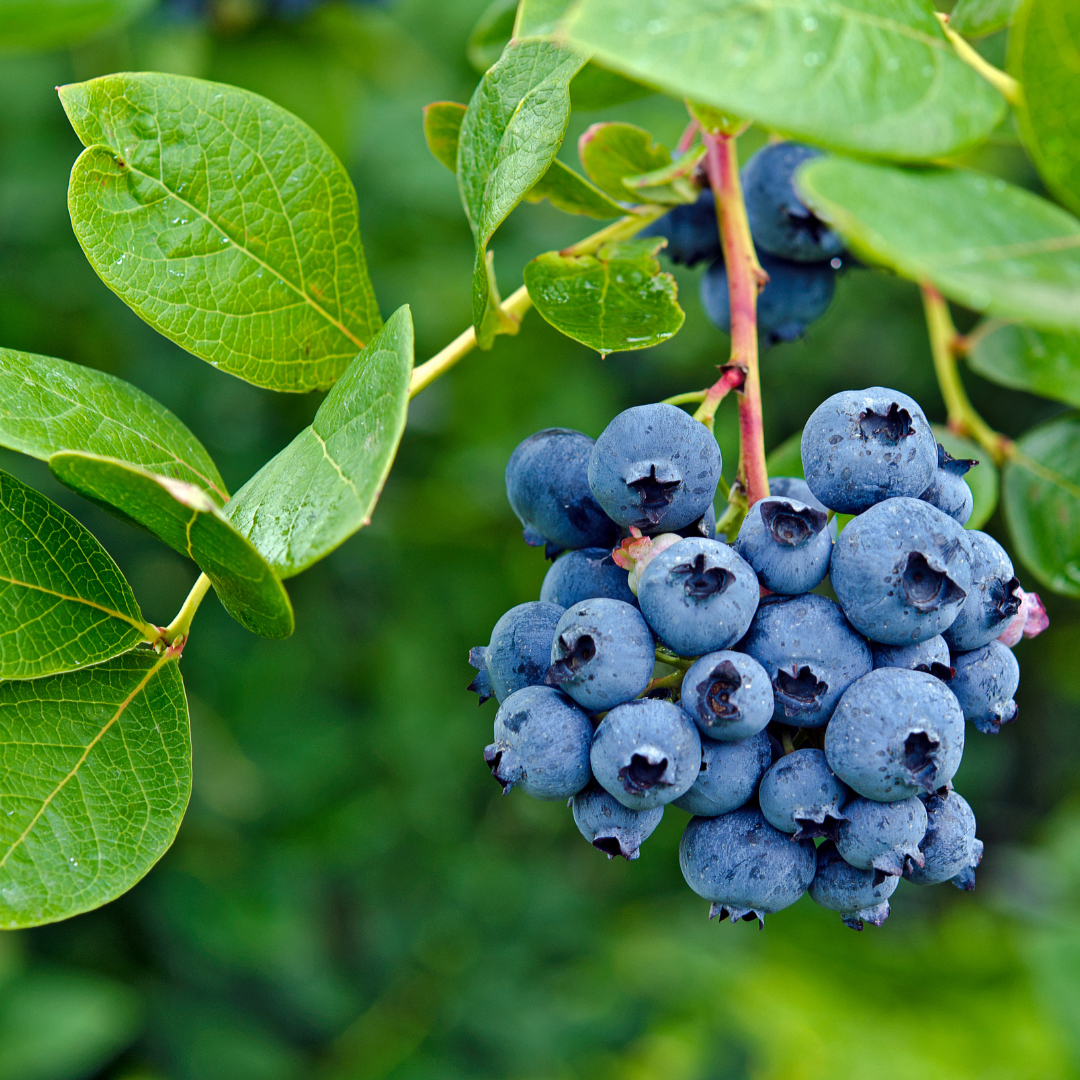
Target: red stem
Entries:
(686, 140)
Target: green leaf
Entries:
(47, 405)
(31, 25)
(1044, 54)
(95, 773)
(1040, 495)
(324, 485)
(442, 129)
(668, 184)
(610, 152)
(613, 301)
(225, 222)
(64, 604)
(189, 521)
(979, 18)
(1026, 359)
(984, 243)
(573, 194)
(873, 76)
(982, 479)
(509, 137)
(491, 33)
(539, 18)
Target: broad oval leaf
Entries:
(225, 222)
(873, 76)
(323, 486)
(64, 604)
(189, 521)
(984, 243)
(95, 774)
(1040, 495)
(978, 18)
(1044, 54)
(1023, 358)
(510, 134)
(48, 405)
(610, 151)
(31, 25)
(982, 479)
(614, 301)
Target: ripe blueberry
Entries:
(730, 774)
(950, 849)
(787, 544)
(984, 684)
(611, 827)
(859, 895)
(691, 230)
(881, 836)
(519, 653)
(800, 794)
(728, 695)
(948, 490)
(931, 655)
(588, 574)
(993, 596)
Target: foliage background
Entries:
(349, 897)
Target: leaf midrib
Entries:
(140, 626)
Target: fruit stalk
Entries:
(745, 279)
(732, 378)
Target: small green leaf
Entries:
(573, 194)
(1026, 359)
(47, 405)
(614, 301)
(786, 459)
(491, 33)
(509, 137)
(982, 479)
(225, 222)
(668, 184)
(873, 76)
(64, 604)
(979, 18)
(1044, 54)
(32, 25)
(189, 521)
(442, 129)
(95, 773)
(610, 152)
(324, 485)
(1040, 495)
(984, 243)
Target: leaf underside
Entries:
(873, 76)
(64, 604)
(189, 521)
(225, 222)
(95, 774)
(323, 486)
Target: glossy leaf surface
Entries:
(1022, 358)
(225, 222)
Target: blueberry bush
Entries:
(232, 229)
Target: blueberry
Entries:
(859, 895)
(862, 446)
(795, 487)
(602, 654)
(698, 596)
(730, 774)
(547, 483)
(646, 753)
(589, 574)
(811, 653)
(705, 526)
(744, 866)
(993, 596)
(656, 468)
(728, 695)
(691, 230)
(611, 827)
(882, 836)
(787, 544)
(949, 848)
(519, 653)
(541, 745)
(800, 794)
(781, 223)
(984, 684)
(931, 655)
(902, 571)
(795, 295)
(895, 733)
(948, 490)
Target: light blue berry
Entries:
(519, 652)
(882, 836)
(730, 774)
(984, 684)
(858, 895)
(728, 695)
(787, 543)
(611, 827)
(588, 574)
(800, 794)
(950, 849)
(993, 597)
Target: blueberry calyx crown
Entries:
(642, 775)
(828, 827)
(493, 757)
(926, 587)
(940, 671)
(655, 495)
(956, 466)
(920, 760)
(791, 526)
(722, 682)
(1004, 595)
(576, 654)
(481, 685)
(802, 686)
(804, 220)
(888, 428)
(701, 581)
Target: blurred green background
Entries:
(349, 897)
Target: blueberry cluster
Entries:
(813, 740)
(798, 251)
